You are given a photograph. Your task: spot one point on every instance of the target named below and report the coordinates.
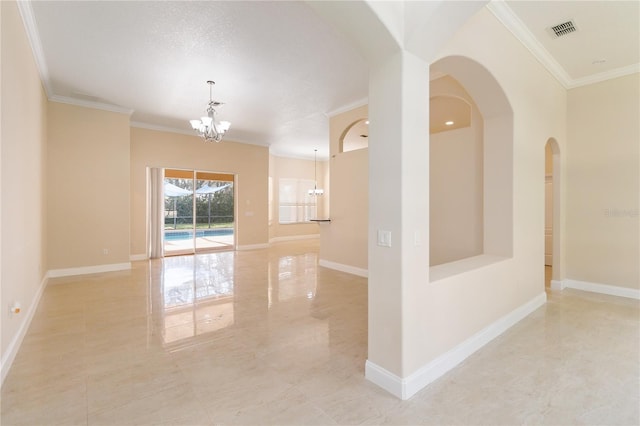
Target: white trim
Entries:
(405, 388)
(55, 273)
(160, 128)
(91, 104)
(136, 257)
(348, 107)
(557, 285)
(12, 350)
(611, 290)
(607, 75)
(385, 379)
(294, 238)
(511, 21)
(31, 28)
(344, 268)
(252, 247)
(141, 125)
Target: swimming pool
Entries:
(187, 235)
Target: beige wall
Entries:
(602, 183)
(418, 315)
(344, 240)
(23, 260)
(284, 167)
(455, 182)
(88, 179)
(455, 196)
(250, 164)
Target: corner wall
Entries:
(88, 194)
(344, 240)
(603, 183)
(23, 258)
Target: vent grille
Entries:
(563, 29)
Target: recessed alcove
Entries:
(355, 136)
(471, 169)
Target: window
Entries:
(295, 203)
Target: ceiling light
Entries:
(207, 127)
(448, 123)
(366, 122)
(315, 191)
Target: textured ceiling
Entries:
(279, 68)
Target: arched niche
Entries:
(448, 112)
(456, 228)
(495, 124)
(355, 136)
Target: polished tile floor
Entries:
(268, 337)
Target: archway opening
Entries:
(552, 213)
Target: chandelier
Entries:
(207, 127)
(315, 191)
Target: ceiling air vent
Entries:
(563, 29)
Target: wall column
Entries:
(398, 205)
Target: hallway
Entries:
(268, 337)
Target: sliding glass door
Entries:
(198, 211)
(214, 211)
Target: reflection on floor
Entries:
(268, 337)
(177, 246)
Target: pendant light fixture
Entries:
(207, 127)
(315, 191)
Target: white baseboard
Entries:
(294, 238)
(12, 350)
(252, 247)
(557, 285)
(136, 257)
(405, 388)
(344, 268)
(55, 273)
(611, 290)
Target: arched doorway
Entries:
(552, 232)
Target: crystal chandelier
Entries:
(207, 127)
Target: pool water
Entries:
(187, 235)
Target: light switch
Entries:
(417, 239)
(384, 238)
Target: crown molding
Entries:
(141, 125)
(348, 107)
(158, 128)
(603, 76)
(91, 104)
(31, 28)
(510, 20)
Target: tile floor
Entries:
(268, 337)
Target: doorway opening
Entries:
(198, 211)
(551, 213)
